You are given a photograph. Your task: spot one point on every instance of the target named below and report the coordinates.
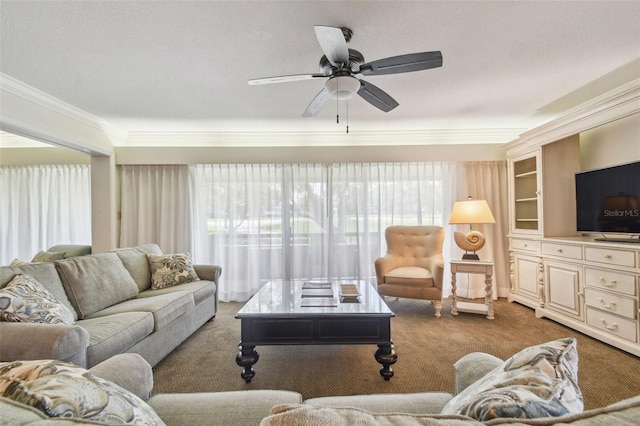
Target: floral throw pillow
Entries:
(60, 389)
(48, 256)
(539, 381)
(171, 269)
(24, 299)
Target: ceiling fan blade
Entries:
(333, 44)
(403, 63)
(376, 96)
(317, 103)
(285, 78)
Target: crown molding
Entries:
(611, 106)
(45, 100)
(357, 138)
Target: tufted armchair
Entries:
(413, 266)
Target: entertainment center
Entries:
(583, 281)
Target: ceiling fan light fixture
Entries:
(342, 86)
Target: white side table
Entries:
(473, 267)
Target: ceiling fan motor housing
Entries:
(342, 86)
(355, 60)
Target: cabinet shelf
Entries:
(526, 220)
(526, 174)
(521, 200)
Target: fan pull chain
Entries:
(337, 101)
(347, 116)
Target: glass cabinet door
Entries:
(525, 181)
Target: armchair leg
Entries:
(438, 306)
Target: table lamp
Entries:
(470, 211)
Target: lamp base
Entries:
(470, 256)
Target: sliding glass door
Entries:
(301, 221)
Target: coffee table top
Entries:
(278, 298)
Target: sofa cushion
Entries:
(291, 414)
(201, 290)
(60, 389)
(171, 269)
(48, 256)
(135, 260)
(24, 299)
(95, 281)
(625, 412)
(247, 407)
(46, 274)
(164, 307)
(539, 381)
(410, 403)
(18, 262)
(114, 334)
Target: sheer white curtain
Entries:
(156, 206)
(296, 221)
(240, 221)
(487, 180)
(43, 206)
(369, 197)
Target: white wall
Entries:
(614, 143)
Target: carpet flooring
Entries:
(427, 348)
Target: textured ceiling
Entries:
(148, 66)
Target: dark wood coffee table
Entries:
(274, 316)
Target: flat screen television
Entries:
(608, 201)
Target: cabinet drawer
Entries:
(611, 280)
(613, 324)
(525, 245)
(562, 250)
(610, 256)
(610, 302)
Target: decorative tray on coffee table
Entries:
(349, 293)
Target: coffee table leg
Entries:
(247, 356)
(386, 356)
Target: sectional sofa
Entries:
(134, 378)
(112, 305)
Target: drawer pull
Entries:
(611, 327)
(607, 256)
(611, 306)
(559, 250)
(606, 283)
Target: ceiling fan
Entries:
(341, 65)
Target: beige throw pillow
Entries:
(24, 299)
(60, 389)
(539, 381)
(171, 269)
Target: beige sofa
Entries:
(255, 407)
(114, 308)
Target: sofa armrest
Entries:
(436, 265)
(52, 341)
(383, 265)
(472, 367)
(208, 272)
(129, 371)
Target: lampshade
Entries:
(342, 86)
(469, 212)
